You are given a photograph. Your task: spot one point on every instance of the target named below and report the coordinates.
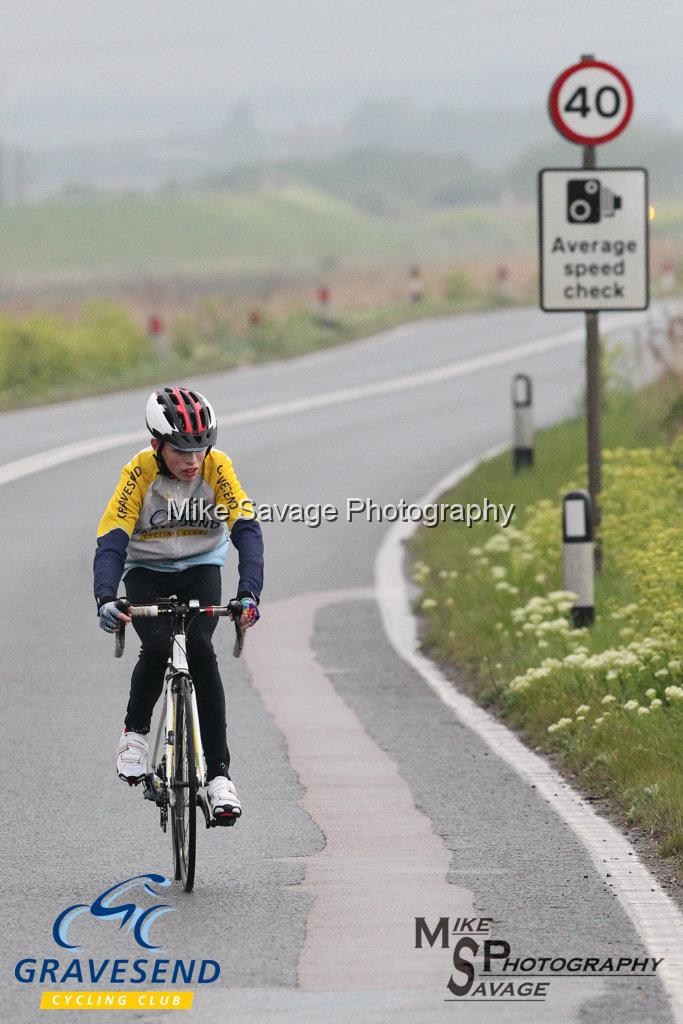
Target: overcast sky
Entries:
(94, 64)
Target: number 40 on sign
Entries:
(591, 102)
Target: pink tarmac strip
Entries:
(382, 864)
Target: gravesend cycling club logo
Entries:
(137, 908)
(139, 919)
(504, 976)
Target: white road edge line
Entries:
(655, 916)
(80, 449)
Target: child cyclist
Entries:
(159, 554)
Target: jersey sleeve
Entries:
(117, 525)
(248, 540)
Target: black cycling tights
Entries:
(203, 582)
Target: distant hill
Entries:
(283, 218)
(394, 182)
(383, 182)
(276, 233)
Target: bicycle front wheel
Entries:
(184, 783)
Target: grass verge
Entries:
(47, 358)
(607, 701)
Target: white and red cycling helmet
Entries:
(182, 417)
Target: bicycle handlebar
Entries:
(170, 607)
(153, 610)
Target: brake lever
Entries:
(120, 632)
(235, 609)
(119, 640)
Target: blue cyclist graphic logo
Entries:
(139, 919)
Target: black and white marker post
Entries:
(578, 555)
(523, 424)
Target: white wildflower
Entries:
(562, 724)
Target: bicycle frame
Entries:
(160, 784)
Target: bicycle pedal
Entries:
(152, 790)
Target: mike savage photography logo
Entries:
(204, 513)
(485, 969)
(123, 906)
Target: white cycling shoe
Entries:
(131, 757)
(223, 799)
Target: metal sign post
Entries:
(593, 400)
(593, 236)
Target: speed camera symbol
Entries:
(588, 201)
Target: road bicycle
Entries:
(177, 765)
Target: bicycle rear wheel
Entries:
(184, 805)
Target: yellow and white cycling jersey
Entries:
(159, 522)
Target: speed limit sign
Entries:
(591, 102)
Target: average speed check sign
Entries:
(591, 102)
(594, 239)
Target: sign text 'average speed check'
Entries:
(594, 239)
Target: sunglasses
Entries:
(188, 451)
